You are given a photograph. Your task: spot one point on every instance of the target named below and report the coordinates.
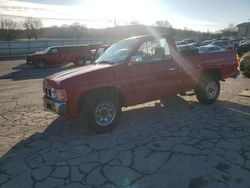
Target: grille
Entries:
(47, 92)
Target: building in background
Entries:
(244, 29)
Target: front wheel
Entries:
(40, 64)
(208, 90)
(103, 112)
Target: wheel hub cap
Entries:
(105, 113)
(211, 90)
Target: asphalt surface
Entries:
(182, 144)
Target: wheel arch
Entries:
(39, 59)
(104, 90)
(215, 72)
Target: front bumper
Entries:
(29, 60)
(59, 108)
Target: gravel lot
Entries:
(182, 144)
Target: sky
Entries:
(197, 15)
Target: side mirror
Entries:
(135, 59)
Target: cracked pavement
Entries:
(182, 144)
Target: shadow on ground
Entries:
(25, 72)
(184, 144)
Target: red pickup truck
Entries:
(133, 71)
(60, 55)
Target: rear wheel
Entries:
(40, 64)
(208, 90)
(103, 112)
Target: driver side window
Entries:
(53, 51)
(154, 51)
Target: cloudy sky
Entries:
(194, 14)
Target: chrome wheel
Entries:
(105, 113)
(211, 90)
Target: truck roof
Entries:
(77, 45)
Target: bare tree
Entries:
(230, 31)
(134, 22)
(163, 23)
(33, 27)
(9, 29)
(77, 30)
(232, 27)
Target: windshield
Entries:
(118, 52)
(46, 50)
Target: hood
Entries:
(37, 53)
(60, 77)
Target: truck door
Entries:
(153, 72)
(54, 56)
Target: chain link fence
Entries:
(19, 48)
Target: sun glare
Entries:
(144, 12)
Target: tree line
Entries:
(32, 28)
(29, 28)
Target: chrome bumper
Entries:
(59, 108)
(237, 74)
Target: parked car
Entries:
(236, 43)
(244, 40)
(210, 49)
(180, 43)
(245, 63)
(188, 41)
(187, 50)
(205, 43)
(133, 71)
(244, 48)
(195, 44)
(223, 43)
(184, 47)
(60, 55)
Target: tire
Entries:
(40, 64)
(96, 111)
(208, 90)
(80, 62)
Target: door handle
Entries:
(172, 69)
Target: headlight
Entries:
(58, 94)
